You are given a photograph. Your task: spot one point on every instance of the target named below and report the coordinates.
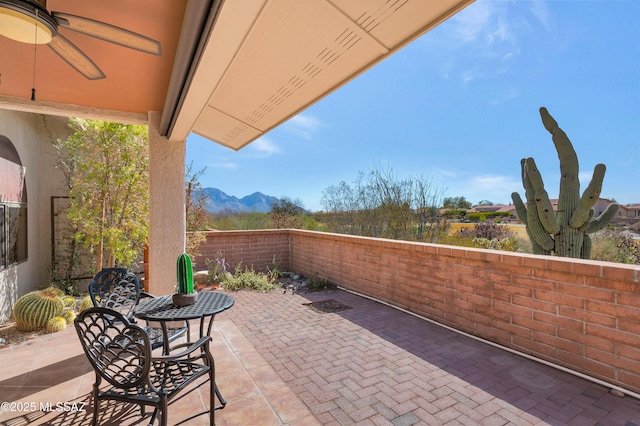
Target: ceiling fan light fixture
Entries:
(17, 21)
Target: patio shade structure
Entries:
(229, 71)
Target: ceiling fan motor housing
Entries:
(18, 17)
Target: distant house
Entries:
(628, 214)
(630, 211)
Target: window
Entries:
(15, 234)
(13, 206)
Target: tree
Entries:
(107, 166)
(285, 213)
(379, 204)
(456, 203)
(485, 203)
(197, 217)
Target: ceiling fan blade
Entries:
(107, 32)
(75, 57)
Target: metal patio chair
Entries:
(121, 354)
(117, 289)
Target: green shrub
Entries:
(248, 279)
(217, 269)
(613, 246)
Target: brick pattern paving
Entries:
(375, 365)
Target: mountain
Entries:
(218, 201)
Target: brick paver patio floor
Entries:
(278, 362)
(373, 364)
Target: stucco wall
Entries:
(584, 315)
(29, 134)
(51, 183)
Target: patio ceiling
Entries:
(229, 71)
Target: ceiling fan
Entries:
(29, 21)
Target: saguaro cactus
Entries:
(567, 232)
(185, 274)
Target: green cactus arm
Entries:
(189, 275)
(587, 222)
(540, 240)
(537, 231)
(521, 210)
(586, 247)
(569, 182)
(602, 220)
(565, 150)
(589, 198)
(182, 288)
(535, 247)
(542, 202)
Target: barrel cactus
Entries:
(56, 324)
(85, 303)
(68, 301)
(54, 291)
(69, 316)
(33, 310)
(567, 232)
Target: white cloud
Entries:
(303, 125)
(486, 40)
(540, 10)
(445, 173)
(264, 147)
(470, 23)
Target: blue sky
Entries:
(460, 106)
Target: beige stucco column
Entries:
(167, 224)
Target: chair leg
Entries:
(96, 403)
(220, 398)
(163, 410)
(213, 391)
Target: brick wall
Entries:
(253, 248)
(584, 315)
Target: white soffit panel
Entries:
(396, 22)
(231, 28)
(227, 130)
(298, 51)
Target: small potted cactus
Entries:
(185, 294)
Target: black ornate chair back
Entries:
(119, 352)
(116, 289)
